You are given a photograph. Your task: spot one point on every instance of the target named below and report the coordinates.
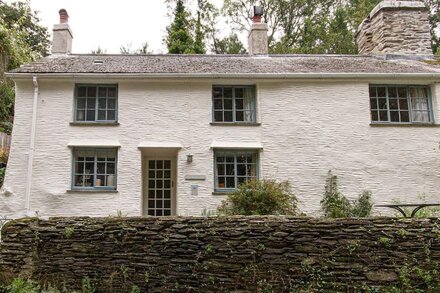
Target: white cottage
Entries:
(172, 134)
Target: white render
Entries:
(308, 127)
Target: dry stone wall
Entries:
(219, 254)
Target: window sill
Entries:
(92, 191)
(94, 123)
(222, 192)
(404, 125)
(235, 124)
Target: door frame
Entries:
(145, 178)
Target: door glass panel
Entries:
(159, 188)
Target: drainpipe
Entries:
(27, 198)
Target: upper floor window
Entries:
(400, 104)
(233, 168)
(94, 168)
(234, 104)
(96, 103)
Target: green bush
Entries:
(336, 205)
(2, 175)
(23, 286)
(260, 197)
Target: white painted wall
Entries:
(307, 128)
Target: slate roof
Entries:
(223, 64)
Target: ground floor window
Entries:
(94, 168)
(234, 167)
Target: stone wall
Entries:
(396, 27)
(223, 254)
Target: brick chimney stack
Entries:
(257, 39)
(62, 35)
(396, 28)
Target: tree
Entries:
(22, 40)
(199, 43)
(179, 39)
(98, 51)
(228, 45)
(126, 49)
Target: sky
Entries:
(109, 23)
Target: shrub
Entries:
(2, 175)
(4, 155)
(260, 197)
(336, 205)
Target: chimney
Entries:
(258, 35)
(396, 28)
(62, 35)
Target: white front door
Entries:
(159, 187)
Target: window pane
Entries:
(239, 104)
(230, 182)
(404, 116)
(102, 103)
(394, 116)
(90, 115)
(373, 92)
(111, 103)
(392, 92)
(227, 93)
(80, 115)
(241, 170)
(238, 92)
(82, 91)
(227, 104)
(111, 92)
(230, 169)
(218, 104)
(91, 103)
(91, 91)
(220, 169)
(111, 115)
(218, 116)
(402, 92)
(239, 116)
(383, 115)
(374, 116)
(394, 105)
(373, 103)
(167, 164)
(228, 116)
(217, 92)
(100, 180)
(81, 103)
(102, 92)
(403, 104)
(101, 114)
(221, 182)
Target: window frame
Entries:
(95, 163)
(96, 121)
(235, 152)
(409, 101)
(234, 110)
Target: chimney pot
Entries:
(64, 16)
(257, 14)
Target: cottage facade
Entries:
(171, 135)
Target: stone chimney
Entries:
(62, 35)
(257, 39)
(396, 28)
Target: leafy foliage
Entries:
(179, 39)
(228, 45)
(22, 40)
(127, 49)
(336, 205)
(260, 197)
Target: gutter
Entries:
(27, 196)
(433, 75)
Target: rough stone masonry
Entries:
(219, 254)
